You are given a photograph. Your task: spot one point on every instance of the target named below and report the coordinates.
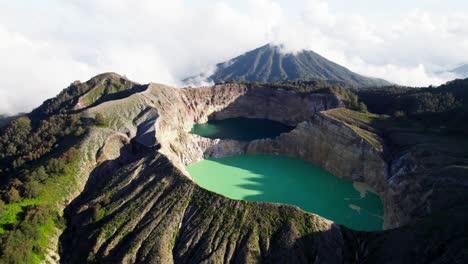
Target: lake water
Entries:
(281, 179)
(240, 129)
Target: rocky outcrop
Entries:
(425, 178)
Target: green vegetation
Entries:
(34, 214)
(37, 167)
(364, 124)
(11, 211)
(91, 91)
(363, 120)
(6, 119)
(27, 223)
(103, 92)
(26, 242)
(270, 64)
(350, 99)
(443, 109)
(100, 120)
(64, 101)
(39, 164)
(22, 141)
(314, 85)
(430, 119)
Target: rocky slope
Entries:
(153, 213)
(139, 205)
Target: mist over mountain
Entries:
(270, 63)
(461, 71)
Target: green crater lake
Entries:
(240, 129)
(281, 179)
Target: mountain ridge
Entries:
(270, 64)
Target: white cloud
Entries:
(33, 71)
(140, 63)
(415, 76)
(164, 41)
(407, 52)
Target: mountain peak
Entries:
(271, 63)
(80, 95)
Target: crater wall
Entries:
(138, 204)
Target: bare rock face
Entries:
(233, 100)
(139, 204)
(185, 107)
(280, 105)
(424, 179)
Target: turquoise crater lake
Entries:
(281, 179)
(240, 129)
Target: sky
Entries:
(45, 45)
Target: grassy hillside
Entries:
(39, 165)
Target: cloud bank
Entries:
(45, 46)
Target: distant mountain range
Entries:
(270, 64)
(461, 71)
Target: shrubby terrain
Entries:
(38, 166)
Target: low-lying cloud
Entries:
(45, 46)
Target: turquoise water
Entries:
(282, 179)
(240, 128)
